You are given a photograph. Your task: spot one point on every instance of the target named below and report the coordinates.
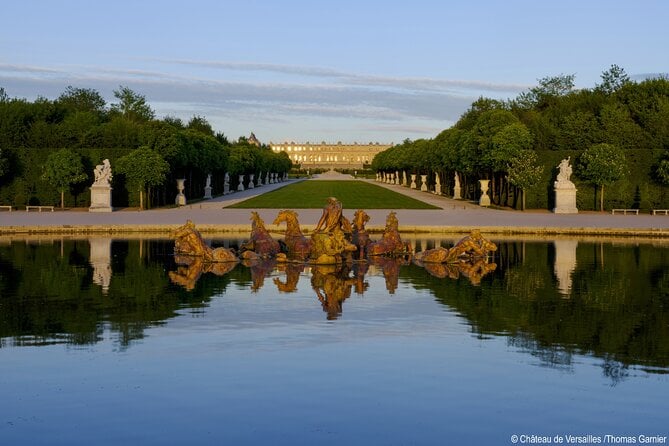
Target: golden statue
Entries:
(189, 242)
(391, 243)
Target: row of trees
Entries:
(161, 149)
(508, 141)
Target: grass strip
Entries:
(313, 194)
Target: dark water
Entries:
(111, 342)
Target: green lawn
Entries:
(313, 194)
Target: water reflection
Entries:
(75, 290)
(565, 264)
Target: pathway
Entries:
(453, 216)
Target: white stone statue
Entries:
(226, 184)
(103, 173)
(456, 188)
(565, 171)
(207, 187)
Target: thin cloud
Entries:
(366, 102)
(411, 83)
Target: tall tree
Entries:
(143, 168)
(82, 100)
(524, 172)
(602, 165)
(613, 80)
(132, 105)
(63, 169)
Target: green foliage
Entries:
(555, 121)
(63, 169)
(602, 164)
(524, 172)
(131, 105)
(143, 168)
(4, 163)
(613, 80)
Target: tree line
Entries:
(79, 129)
(512, 142)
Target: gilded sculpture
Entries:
(189, 242)
(332, 244)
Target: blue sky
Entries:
(345, 70)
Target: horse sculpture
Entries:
(391, 243)
(360, 237)
(469, 248)
(189, 242)
(297, 245)
(261, 245)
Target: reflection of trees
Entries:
(619, 308)
(52, 297)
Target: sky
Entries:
(345, 70)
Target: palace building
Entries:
(330, 156)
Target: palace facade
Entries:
(330, 156)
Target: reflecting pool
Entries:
(116, 341)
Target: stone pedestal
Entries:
(207, 192)
(565, 198)
(413, 181)
(241, 183)
(485, 199)
(251, 185)
(180, 200)
(100, 198)
(423, 185)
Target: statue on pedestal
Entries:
(226, 184)
(207, 187)
(565, 190)
(101, 188)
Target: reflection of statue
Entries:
(103, 173)
(359, 271)
(297, 245)
(473, 270)
(293, 271)
(100, 259)
(260, 268)
(188, 241)
(191, 268)
(359, 236)
(261, 244)
(332, 286)
(565, 171)
(391, 270)
(391, 243)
